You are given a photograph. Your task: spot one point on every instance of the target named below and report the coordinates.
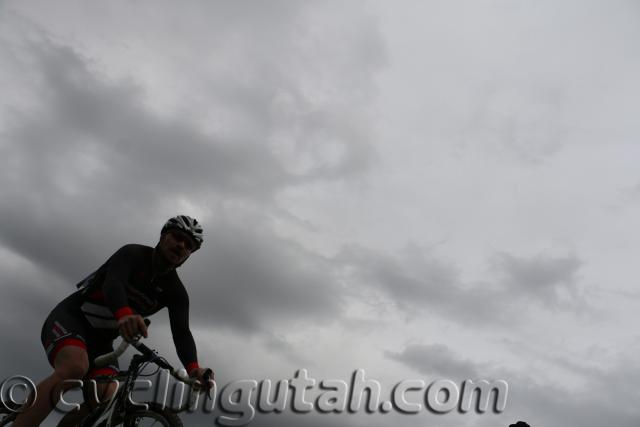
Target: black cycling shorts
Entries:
(66, 326)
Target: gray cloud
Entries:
(90, 155)
(417, 282)
(84, 119)
(88, 162)
(28, 296)
(93, 147)
(538, 403)
(438, 360)
(523, 119)
(253, 280)
(542, 277)
(404, 282)
(542, 404)
(114, 116)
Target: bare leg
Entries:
(71, 363)
(103, 391)
(72, 419)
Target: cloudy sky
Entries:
(421, 189)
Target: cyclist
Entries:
(135, 281)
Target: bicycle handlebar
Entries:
(112, 358)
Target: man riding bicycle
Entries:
(135, 282)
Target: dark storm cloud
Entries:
(92, 158)
(21, 318)
(89, 156)
(87, 163)
(253, 281)
(82, 114)
(28, 295)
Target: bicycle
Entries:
(119, 410)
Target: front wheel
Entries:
(154, 416)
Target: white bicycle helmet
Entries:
(186, 224)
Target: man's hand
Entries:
(200, 374)
(132, 325)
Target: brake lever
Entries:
(207, 378)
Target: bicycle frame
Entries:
(119, 404)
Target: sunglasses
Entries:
(182, 237)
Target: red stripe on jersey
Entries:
(123, 311)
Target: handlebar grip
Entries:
(109, 358)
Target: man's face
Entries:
(176, 246)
